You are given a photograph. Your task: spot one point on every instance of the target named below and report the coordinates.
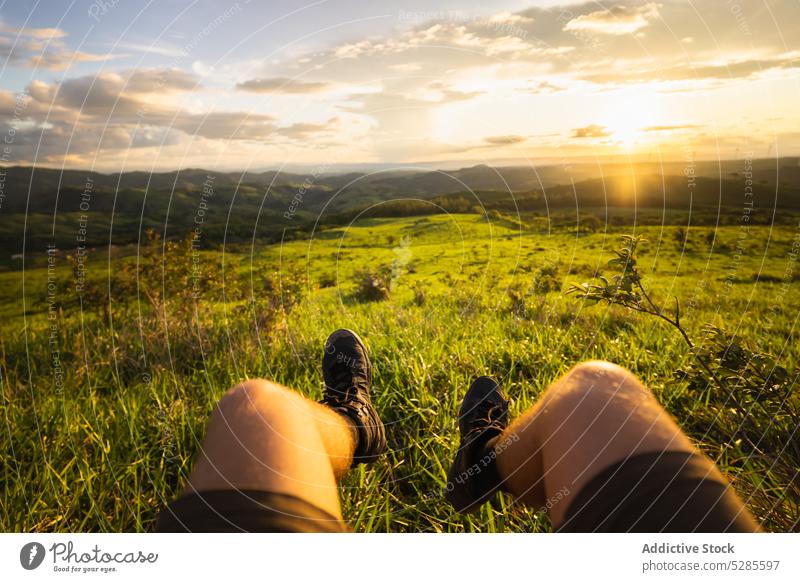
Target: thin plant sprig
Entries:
(625, 289)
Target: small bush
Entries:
(419, 294)
(327, 280)
(282, 290)
(765, 278)
(546, 279)
(517, 297)
(373, 284)
(681, 237)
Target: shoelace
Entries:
(492, 421)
(344, 390)
(341, 394)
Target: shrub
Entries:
(419, 293)
(681, 237)
(590, 224)
(546, 279)
(517, 295)
(373, 284)
(327, 280)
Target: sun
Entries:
(626, 120)
(626, 132)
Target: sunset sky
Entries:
(255, 85)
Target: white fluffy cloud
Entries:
(615, 20)
(42, 48)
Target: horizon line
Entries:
(433, 165)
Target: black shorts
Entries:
(652, 492)
(658, 492)
(235, 510)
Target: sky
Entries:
(118, 85)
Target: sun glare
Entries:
(636, 109)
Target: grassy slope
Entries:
(104, 451)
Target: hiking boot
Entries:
(473, 478)
(347, 372)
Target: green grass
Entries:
(107, 447)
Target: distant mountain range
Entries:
(414, 182)
(41, 205)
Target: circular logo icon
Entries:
(31, 555)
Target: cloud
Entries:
(504, 140)
(405, 109)
(21, 107)
(159, 80)
(99, 95)
(509, 18)
(491, 39)
(406, 67)
(445, 93)
(738, 68)
(237, 125)
(58, 60)
(85, 116)
(114, 95)
(506, 45)
(282, 85)
(672, 127)
(616, 20)
(307, 130)
(731, 66)
(590, 131)
(38, 33)
(42, 48)
(543, 87)
(163, 49)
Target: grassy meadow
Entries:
(106, 392)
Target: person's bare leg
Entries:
(594, 416)
(266, 437)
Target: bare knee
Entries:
(256, 396)
(594, 384)
(599, 376)
(598, 370)
(254, 390)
